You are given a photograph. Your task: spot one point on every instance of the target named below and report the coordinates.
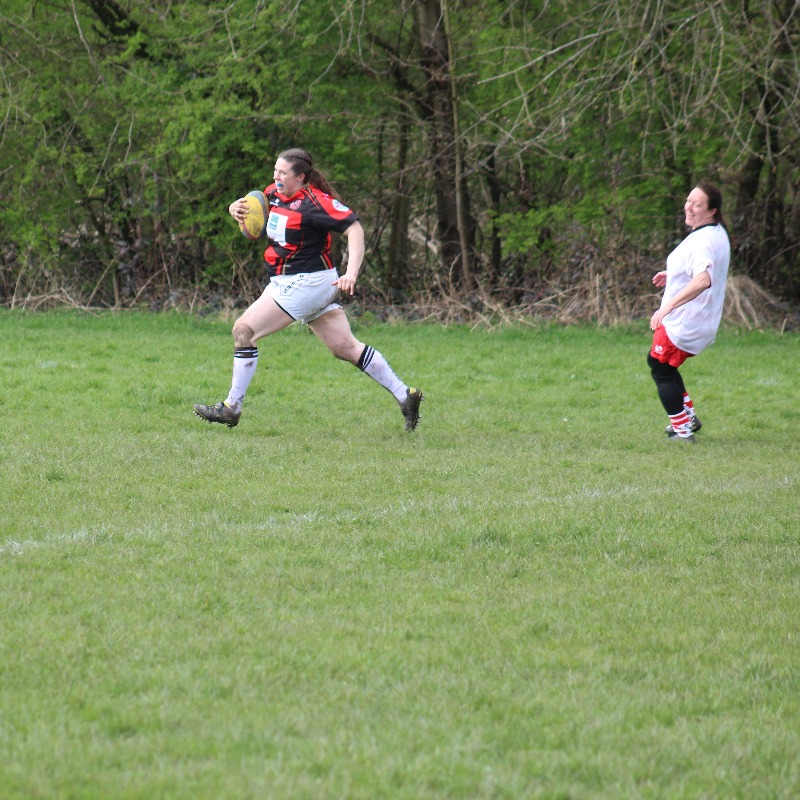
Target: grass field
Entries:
(535, 595)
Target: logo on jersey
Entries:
(276, 228)
(340, 207)
(295, 204)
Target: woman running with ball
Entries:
(304, 211)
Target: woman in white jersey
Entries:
(691, 309)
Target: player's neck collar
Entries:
(707, 225)
(288, 199)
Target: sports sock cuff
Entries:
(245, 352)
(366, 357)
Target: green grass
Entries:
(534, 595)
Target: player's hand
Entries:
(658, 318)
(660, 279)
(346, 284)
(238, 209)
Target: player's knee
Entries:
(348, 350)
(659, 371)
(242, 334)
(342, 353)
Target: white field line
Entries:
(13, 547)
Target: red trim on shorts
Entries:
(664, 350)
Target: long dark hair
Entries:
(303, 164)
(714, 196)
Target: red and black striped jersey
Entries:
(299, 229)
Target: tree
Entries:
(515, 148)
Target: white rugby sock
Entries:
(375, 365)
(245, 361)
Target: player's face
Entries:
(287, 182)
(696, 209)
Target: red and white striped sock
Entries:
(681, 423)
(688, 405)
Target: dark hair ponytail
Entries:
(714, 196)
(302, 163)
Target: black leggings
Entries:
(669, 384)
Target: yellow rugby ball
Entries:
(255, 223)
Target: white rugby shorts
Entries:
(305, 296)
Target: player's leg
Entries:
(688, 407)
(333, 328)
(262, 318)
(690, 410)
(669, 385)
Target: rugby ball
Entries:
(255, 223)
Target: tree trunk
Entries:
(401, 206)
(452, 203)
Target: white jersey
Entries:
(693, 326)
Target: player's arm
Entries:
(355, 256)
(694, 288)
